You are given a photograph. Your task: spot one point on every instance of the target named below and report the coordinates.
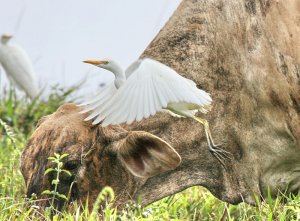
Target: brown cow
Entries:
(246, 53)
(98, 157)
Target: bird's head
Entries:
(107, 64)
(5, 38)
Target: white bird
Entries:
(146, 87)
(18, 67)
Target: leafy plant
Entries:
(106, 193)
(9, 132)
(55, 182)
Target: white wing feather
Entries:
(149, 89)
(103, 95)
(152, 102)
(18, 67)
(123, 105)
(95, 105)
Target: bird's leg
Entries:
(218, 152)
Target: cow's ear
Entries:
(146, 155)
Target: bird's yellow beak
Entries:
(95, 62)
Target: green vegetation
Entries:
(18, 119)
(58, 169)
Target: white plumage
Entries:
(150, 87)
(147, 87)
(18, 67)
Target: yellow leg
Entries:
(207, 130)
(218, 152)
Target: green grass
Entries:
(18, 118)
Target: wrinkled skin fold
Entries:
(246, 53)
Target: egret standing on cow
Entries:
(146, 87)
(18, 67)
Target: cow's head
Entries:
(97, 157)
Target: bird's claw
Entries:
(221, 154)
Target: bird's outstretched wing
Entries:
(94, 105)
(149, 88)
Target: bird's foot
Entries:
(219, 153)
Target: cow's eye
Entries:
(72, 165)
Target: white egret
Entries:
(145, 88)
(18, 67)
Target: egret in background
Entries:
(18, 67)
(146, 87)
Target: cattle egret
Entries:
(146, 87)
(18, 67)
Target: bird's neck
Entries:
(119, 73)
